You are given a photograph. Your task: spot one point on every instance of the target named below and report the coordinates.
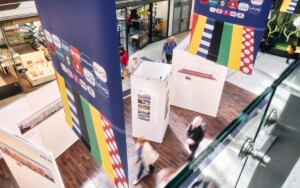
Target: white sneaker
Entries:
(136, 181)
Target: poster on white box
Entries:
(30, 165)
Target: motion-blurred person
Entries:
(291, 52)
(168, 50)
(163, 177)
(146, 156)
(195, 134)
(134, 64)
(123, 58)
(205, 182)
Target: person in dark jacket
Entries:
(195, 134)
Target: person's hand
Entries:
(190, 141)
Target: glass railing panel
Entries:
(278, 137)
(219, 161)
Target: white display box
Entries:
(197, 84)
(150, 90)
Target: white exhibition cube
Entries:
(150, 90)
(197, 83)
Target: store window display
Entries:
(24, 56)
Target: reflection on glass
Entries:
(159, 23)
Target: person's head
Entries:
(121, 49)
(140, 141)
(172, 39)
(135, 59)
(197, 121)
(169, 40)
(271, 36)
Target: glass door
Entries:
(181, 16)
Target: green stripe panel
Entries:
(225, 45)
(91, 131)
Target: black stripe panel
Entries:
(215, 42)
(80, 115)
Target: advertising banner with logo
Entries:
(290, 6)
(229, 32)
(83, 43)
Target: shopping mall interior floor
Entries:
(235, 98)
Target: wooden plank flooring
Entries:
(79, 169)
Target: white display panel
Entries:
(197, 83)
(30, 165)
(52, 134)
(150, 89)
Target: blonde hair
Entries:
(141, 140)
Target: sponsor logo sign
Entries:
(65, 47)
(219, 11)
(102, 88)
(100, 72)
(51, 48)
(70, 73)
(78, 68)
(59, 54)
(240, 15)
(87, 62)
(232, 4)
(233, 13)
(76, 79)
(89, 76)
(204, 1)
(56, 41)
(75, 54)
(63, 67)
(91, 91)
(257, 2)
(212, 9)
(243, 7)
(213, 2)
(48, 36)
(255, 9)
(226, 12)
(83, 84)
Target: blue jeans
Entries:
(140, 173)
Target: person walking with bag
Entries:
(168, 49)
(195, 134)
(291, 52)
(146, 156)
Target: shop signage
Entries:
(142, 10)
(234, 27)
(89, 77)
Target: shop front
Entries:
(24, 58)
(140, 23)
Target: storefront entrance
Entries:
(181, 16)
(141, 24)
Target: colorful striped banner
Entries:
(290, 6)
(94, 130)
(223, 43)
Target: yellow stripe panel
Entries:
(197, 35)
(235, 48)
(64, 97)
(105, 157)
(285, 5)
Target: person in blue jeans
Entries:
(168, 49)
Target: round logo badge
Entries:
(68, 60)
